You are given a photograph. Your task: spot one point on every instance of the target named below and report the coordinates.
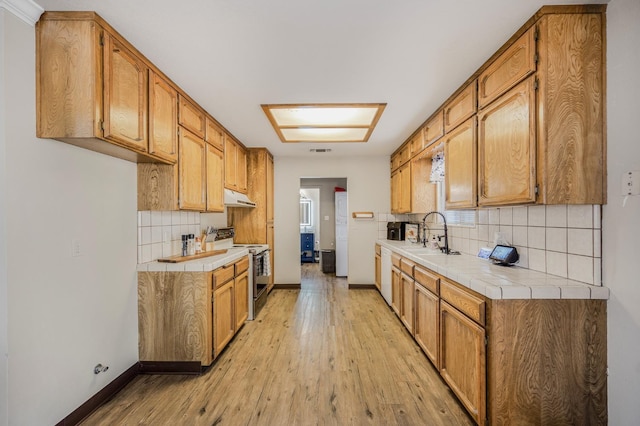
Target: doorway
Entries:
(318, 225)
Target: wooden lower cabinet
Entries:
(463, 360)
(224, 320)
(396, 289)
(406, 301)
(378, 261)
(509, 361)
(427, 322)
(241, 299)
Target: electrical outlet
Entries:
(76, 249)
(630, 184)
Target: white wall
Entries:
(621, 225)
(66, 314)
(4, 366)
(368, 187)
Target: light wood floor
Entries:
(322, 355)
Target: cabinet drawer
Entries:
(407, 266)
(242, 265)
(395, 260)
(426, 279)
(461, 107)
(434, 129)
(467, 303)
(222, 275)
(517, 62)
(191, 117)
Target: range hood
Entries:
(236, 199)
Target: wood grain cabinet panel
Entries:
(378, 268)
(241, 169)
(241, 298)
(163, 118)
(423, 192)
(407, 291)
(434, 129)
(463, 360)
(396, 289)
(517, 62)
(215, 179)
(571, 108)
(214, 134)
(460, 108)
(224, 319)
(405, 188)
(460, 171)
(395, 192)
(507, 148)
(125, 96)
(191, 117)
(192, 171)
(427, 320)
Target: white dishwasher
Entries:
(385, 271)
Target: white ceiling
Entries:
(233, 55)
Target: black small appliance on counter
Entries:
(396, 230)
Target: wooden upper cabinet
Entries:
(507, 148)
(241, 169)
(434, 128)
(191, 117)
(517, 62)
(460, 108)
(571, 109)
(405, 188)
(405, 154)
(192, 171)
(395, 161)
(423, 192)
(417, 143)
(395, 192)
(214, 134)
(270, 189)
(215, 179)
(125, 96)
(460, 171)
(163, 118)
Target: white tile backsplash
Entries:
(580, 216)
(561, 240)
(160, 233)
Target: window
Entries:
(305, 212)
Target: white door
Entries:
(342, 257)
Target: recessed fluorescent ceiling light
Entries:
(324, 122)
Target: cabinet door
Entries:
(507, 148)
(224, 319)
(434, 129)
(230, 154)
(396, 290)
(427, 318)
(241, 169)
(215, 179)
(125, 96)
(378, 262)
(460, 166)
(517, 62)
(270, 191)
(460, 108)
(423, 192)
(395, 192)
(242, 299)
(191, 117)
(192, 171)
(214, 134)
(406, 308)
(163, 118)
(405, 188)
(463, 359)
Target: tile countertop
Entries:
(494, 281)
(204, 264)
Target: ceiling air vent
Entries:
(320, 150)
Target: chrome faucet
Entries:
(445, 250)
